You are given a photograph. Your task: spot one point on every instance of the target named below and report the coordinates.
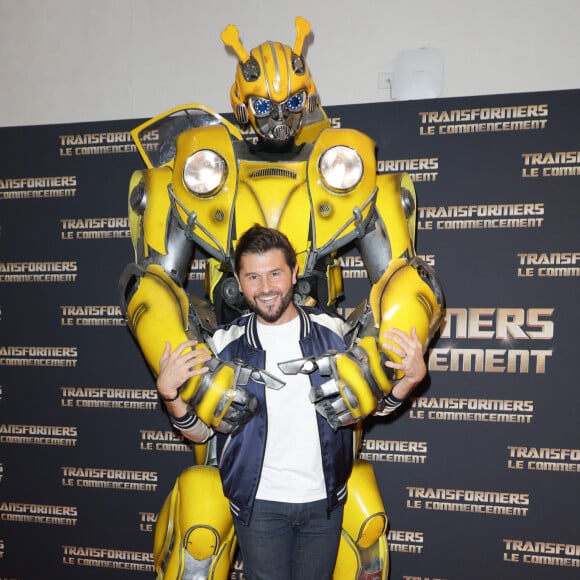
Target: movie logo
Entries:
(38, 272)
(546, 164)
(553, 459)
(548, 264)
(498, 327)
(379, 450)
(495, 503)
(109, 558)
(512, 118)
(541, 553)
(112, 142)
(53, 187)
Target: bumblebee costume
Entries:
(284, 167)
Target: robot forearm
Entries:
(389, 337)
(352, 391)
(157, 313)
(407, 296)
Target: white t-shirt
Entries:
(292, 470)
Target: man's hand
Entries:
(177, 367)
(410, 351)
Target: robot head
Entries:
(273, 87)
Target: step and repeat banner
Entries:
(480, 469)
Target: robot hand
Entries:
(357, 386)
(221, 397)
(219, 401)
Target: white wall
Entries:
(92, 60)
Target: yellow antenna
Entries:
(302, 31)
(231, 37)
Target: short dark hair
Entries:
(259, 240)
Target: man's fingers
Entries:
(188, 343)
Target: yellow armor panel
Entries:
(142, 131)
(209, 410)
(335, 285)
(213, 212)
(158, 207)
(149, 228)
(275, 195)
(277, 80)
(213, 274)
(191, 534)
(333, 212)
(371, 347)
(403, 299)
(351, 375)
(389, 206)
(157, 312)
(363, 543)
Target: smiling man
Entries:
(266, 272)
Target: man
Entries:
(285, 472)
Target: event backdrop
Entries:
(479, 471)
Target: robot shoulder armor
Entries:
(353, 138)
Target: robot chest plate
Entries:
(275, 195)
(287, 194)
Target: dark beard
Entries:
(272, 315)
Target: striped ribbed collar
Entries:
(252, 327)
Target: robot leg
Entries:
(194, 534)
(363, 552)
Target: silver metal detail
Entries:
(375, 250)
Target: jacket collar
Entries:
(252, 327)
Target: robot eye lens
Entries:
(296, 102)
(261, 107)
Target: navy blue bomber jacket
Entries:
(240, 457)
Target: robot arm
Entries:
(405, 291)
(158, 310)
(405, 294)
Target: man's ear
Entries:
(238, 281)
(295, 274)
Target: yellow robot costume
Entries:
(206, 183)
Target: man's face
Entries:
(267, 283)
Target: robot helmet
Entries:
(273, 87)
